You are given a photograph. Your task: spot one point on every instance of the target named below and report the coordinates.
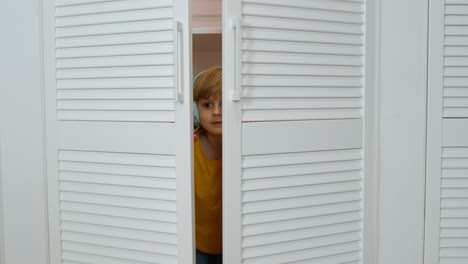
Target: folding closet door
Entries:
(446, 239)
(294, 131)
(118, 131)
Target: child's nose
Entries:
(217, 109)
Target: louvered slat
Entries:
(301, 49)
(454, 206)
(302, 85)
(92, 62)
(324, 252)
(110, 55)
(115, 185)
(307, 203)
(455, 64)
(117, 206)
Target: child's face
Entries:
(211, 114)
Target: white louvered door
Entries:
(446, 240)
(294, 131)
(118, 131)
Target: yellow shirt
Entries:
(208, 202)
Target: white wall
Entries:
(21, 134)
(403, 106)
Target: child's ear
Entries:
(196, 116)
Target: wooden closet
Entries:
(297, 129)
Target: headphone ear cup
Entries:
(196, 116)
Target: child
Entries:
(208, 166)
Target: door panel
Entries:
(447, 140)
(118, 138)
(296, 133)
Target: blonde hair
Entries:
(208, 83)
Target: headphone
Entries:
(196, 114)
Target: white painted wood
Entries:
(2, 234)
(81, 29)
(455, 39)
(23, 230)
(297, 133)
(232, 194)
(434, 134)
(325, 56)
(372, 133)
(290, 137)
(184, 145)
(455, 132)
(118, 144)
(403, 128)
(447, 140)
(453, 204)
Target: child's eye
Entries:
(207, 105)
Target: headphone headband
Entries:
(196, 78)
